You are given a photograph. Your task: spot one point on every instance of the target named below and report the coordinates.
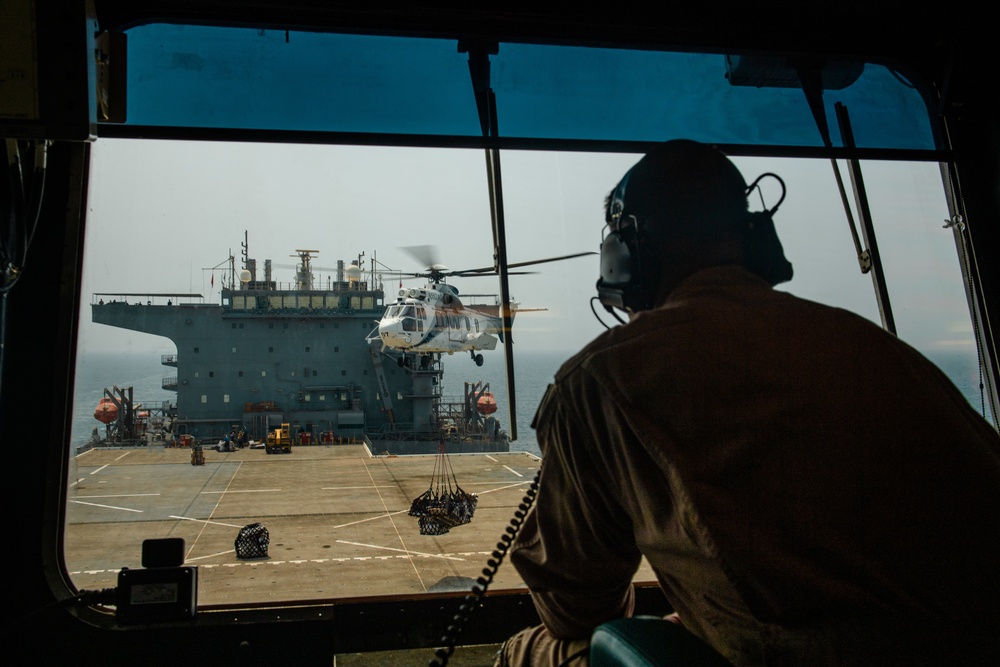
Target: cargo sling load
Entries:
(444, 505)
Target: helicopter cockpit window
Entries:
(326, 287)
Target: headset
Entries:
(624, 283)
(629, 280)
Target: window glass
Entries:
(554, 206)
(164, 220)
(257, 79)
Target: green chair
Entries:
(649, 641)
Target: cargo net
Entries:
(252, 541)
(444, 505)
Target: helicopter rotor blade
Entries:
(550, 259)
(425, 254)
(490, 269)
(484, 274)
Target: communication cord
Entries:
(473, 598)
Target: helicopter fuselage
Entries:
(432, 319)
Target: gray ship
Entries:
(296, 353)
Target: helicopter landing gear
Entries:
(478, 358)
(401, 361)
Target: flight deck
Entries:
(337, 520)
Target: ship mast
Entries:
(304, 278)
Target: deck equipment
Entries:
(445, 504)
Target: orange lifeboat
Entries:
(486, 404)
(106, 411)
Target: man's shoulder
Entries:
(711, 301)
(601, 345)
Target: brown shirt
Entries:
(807, 488)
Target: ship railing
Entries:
(298, 301)
(404, 431)
(296, 288)
(168, 359)
(144, 299)
(170, 383)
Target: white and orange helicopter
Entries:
(432, 319)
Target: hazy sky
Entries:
(161, 214)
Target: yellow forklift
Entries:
(279, 441)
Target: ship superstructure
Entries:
(272, 353)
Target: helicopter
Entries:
(433, 319)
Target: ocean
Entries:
(533, 371)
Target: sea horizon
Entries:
(534, 371)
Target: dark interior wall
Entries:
(41, 319)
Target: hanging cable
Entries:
(475, 596)
(21, 197)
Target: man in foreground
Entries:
(808, 489)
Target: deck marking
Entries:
(244, 491)
(394, 527)
(221, 553)
(514, 471)
(492, 459)
(204, 525)
(121, 495)
(123, 455)
(484, 483)
(404, 551)
(371, 518)
(107, 507)
(206, 521)
(500, 488)
(94, 472)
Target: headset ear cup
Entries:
(616, 272)
(616, 260)
(763, 253)
(624, 281)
